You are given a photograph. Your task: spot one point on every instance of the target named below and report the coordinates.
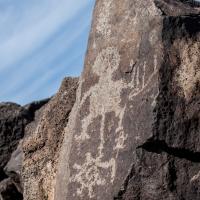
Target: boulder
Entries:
(134, 132)
(13, 120)
(42, 142)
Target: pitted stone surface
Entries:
(100, 143)
(42, 143)
(13, 120)
(132, 130)
(121, 102)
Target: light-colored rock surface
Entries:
(140, 61)
(42, 143)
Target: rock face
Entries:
(130, 129)
(134, 130)
(42, 143)
(13, 119)
(31, 137)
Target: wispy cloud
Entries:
(41, 42)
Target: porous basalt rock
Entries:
(130, 129)
(42, 143)
(133, 132)
(13, 120)
(13, 168)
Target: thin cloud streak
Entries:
(34, 33)
(36, 56)
(43, 82)
(44, 58)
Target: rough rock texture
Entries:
(8, 190)
(42, 143)
(134, 130)
(14, 167)
(13, 119)
(131, 130)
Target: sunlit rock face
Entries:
(134, 132)
(129, 128)
(41, 145)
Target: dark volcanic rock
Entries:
(13, 120)
(42, 143)
(13, 168)
(156, 176)
(134, 130)
(131, 130)
(8, 191)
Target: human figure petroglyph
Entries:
(107, 62)
(139, 85)
(89, 174)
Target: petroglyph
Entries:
(154, 97)
(106, 63)
(103, 26)
(122, 137)
(92, 172)
(195, 177)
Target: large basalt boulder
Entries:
(13, 168)
(42, 142)
(8, 190)
(13, 120)
(134, 132)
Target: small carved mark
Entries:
(130, 70)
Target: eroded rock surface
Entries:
(42, 143)
(130, 129)
(13, 120)
(134, 130)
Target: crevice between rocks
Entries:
(2, 175)
(159, 6)
(9, 191)
(159, 146)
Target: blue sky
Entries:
(42, 41)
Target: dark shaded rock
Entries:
(13, 168)
(34, 106)
(131, 131)
(156, 176)
(13, 119)
(178, 104)
(134, 130)
(8, 191)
